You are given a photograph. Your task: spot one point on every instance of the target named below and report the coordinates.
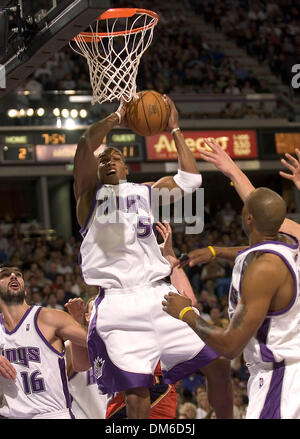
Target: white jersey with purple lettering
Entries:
(119, 247)
(41, 387)
(87, 401)
(273, 354)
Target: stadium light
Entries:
(12, 112)
(65, 113)
(30, 112)
(40, 111)
(70, 124)
(74, 113)
(83, 113)
(56, 112)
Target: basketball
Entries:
(148, 113)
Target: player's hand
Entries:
(294, 166)
(166, 247)
(7, 370)
(122, 111)
(174, 303)
(173, 118)
(76, 307)
(201, 255)
(218, 157)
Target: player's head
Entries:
(111, 166)
(12, 288)
(264, 211)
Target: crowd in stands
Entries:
(53, 276)
(267, 30)
(180, 60)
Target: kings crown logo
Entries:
(98, 367)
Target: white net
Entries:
(113, 54)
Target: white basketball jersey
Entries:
(87, 401)
(278, 337)
(119, 248)
(41, 386)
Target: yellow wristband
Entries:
(184, 310)
(213, 251)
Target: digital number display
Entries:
(130, 152)
(17, 153)
(54, 138)
(130, 144)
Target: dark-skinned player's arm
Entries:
(85, 163)
(260, 282)
(207, 254)
(178, 277)
(188, 177)
(221, 160)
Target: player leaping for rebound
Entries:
(129, 333)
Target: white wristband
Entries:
(174, 130)
(187, 181)
(119, 117)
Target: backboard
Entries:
(56, 22)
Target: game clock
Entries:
(17, 153)
(130, 144)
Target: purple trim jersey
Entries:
(87, 402)
(41, 387)
(273, 354)
(119, 247)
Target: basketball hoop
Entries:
(113, 55)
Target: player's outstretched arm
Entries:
(221, 160)
(224, 163)
(77, 356)
(188, 177)
(207, 254)
(261, 281)
(178, 277)
(58, 324)
(293, 165)
(85, 163)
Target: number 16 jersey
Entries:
(41, 386)
(119, 248)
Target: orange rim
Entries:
(89, 37)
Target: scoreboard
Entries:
(55, 146)
(58, 146)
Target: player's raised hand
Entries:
(293, 165)
(218, 157)
(76, 308)
(166, 247)
(7, 370)
(122, 112)
(173, 117)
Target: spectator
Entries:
(238, 405)
(203, 406)
(188, 410)
(217, 319)
(52, 302)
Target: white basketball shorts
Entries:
(129, 333)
